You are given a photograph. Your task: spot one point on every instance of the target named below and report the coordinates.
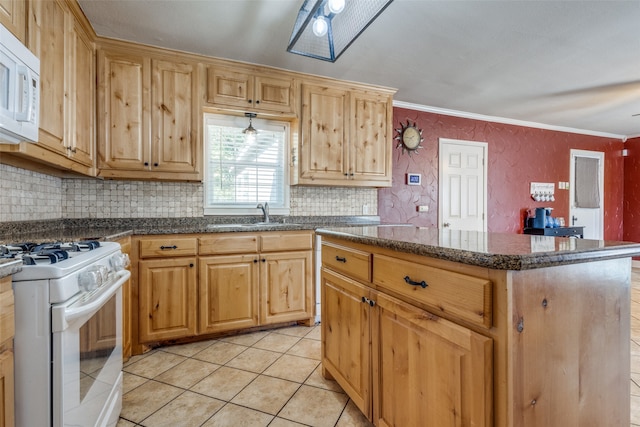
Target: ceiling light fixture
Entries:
(250, 132)
(324, 29)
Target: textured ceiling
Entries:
(573, 64)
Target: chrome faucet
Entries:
(265, 211)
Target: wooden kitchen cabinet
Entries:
(346, 353)
(251, 89)
(7, 332)
(400, 364)
(228, 296)
(174, 118)
(255, 279)
(427, 371)
(13, 17)
(82, 90)
(286, 293)
(167, 288)
(125, 247)
(346, 136)
(124, 82)
(61, 37)
(148, 115)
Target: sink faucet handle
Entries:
(265, 211)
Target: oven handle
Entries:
(62, 315)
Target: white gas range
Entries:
(68, 341)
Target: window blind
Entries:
(244, 171)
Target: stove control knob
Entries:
(120, 262)
(89, 280)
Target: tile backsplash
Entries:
(26, 195)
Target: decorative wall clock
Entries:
(409, 137)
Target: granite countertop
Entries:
(114, 229)
(9, 267)
(499, 251)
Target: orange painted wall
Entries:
(517, 156)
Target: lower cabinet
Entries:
(286, 287)
(7, 415)
(167, 298)
(346, 331)
(430, 372)
(7, 332)
(228, 296)
(125, 247)
(188, 285)
(254, 279)
(400, 364)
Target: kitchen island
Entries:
(434, 327)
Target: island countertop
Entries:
(500, 251)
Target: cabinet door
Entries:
(370, 141)
(229, 88)
(345, 337)
(123, 119)
(125, 247)
(13, 17)
(286, 291)
(7, 414)
(167, 298)
(274, 94)
(174, 118)
(82, 96)
(430, 372)
(228, 293)
(48, 29)
(323, 152)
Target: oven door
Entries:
(87, 358)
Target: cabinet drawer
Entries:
(460, 295)
(7, 316)
(168, 247)
(349, 261)
(228, 243)
(272, 242)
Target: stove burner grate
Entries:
(30, 253)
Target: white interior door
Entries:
(462, 185)
(586, 194)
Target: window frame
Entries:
(238, 121)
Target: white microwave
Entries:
(19, 90)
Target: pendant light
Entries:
(250, 132)
(326, 28)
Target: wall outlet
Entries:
(422, 208)
(365, 210)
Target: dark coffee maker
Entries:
(539, 220)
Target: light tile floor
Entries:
(269, 378)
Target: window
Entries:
(242, 171)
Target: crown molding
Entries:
(474, 116)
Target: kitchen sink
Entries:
(250, 225)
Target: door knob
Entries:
(573, 220)
(446, 224)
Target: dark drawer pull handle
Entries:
(340, 259)
(168, 247)
(368, 301)
(412, 283)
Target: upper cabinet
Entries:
(62, 39)
(174, 117)
(120, 110)
(148, 115)
(13, 17)
(345, 136)
(251, 89)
